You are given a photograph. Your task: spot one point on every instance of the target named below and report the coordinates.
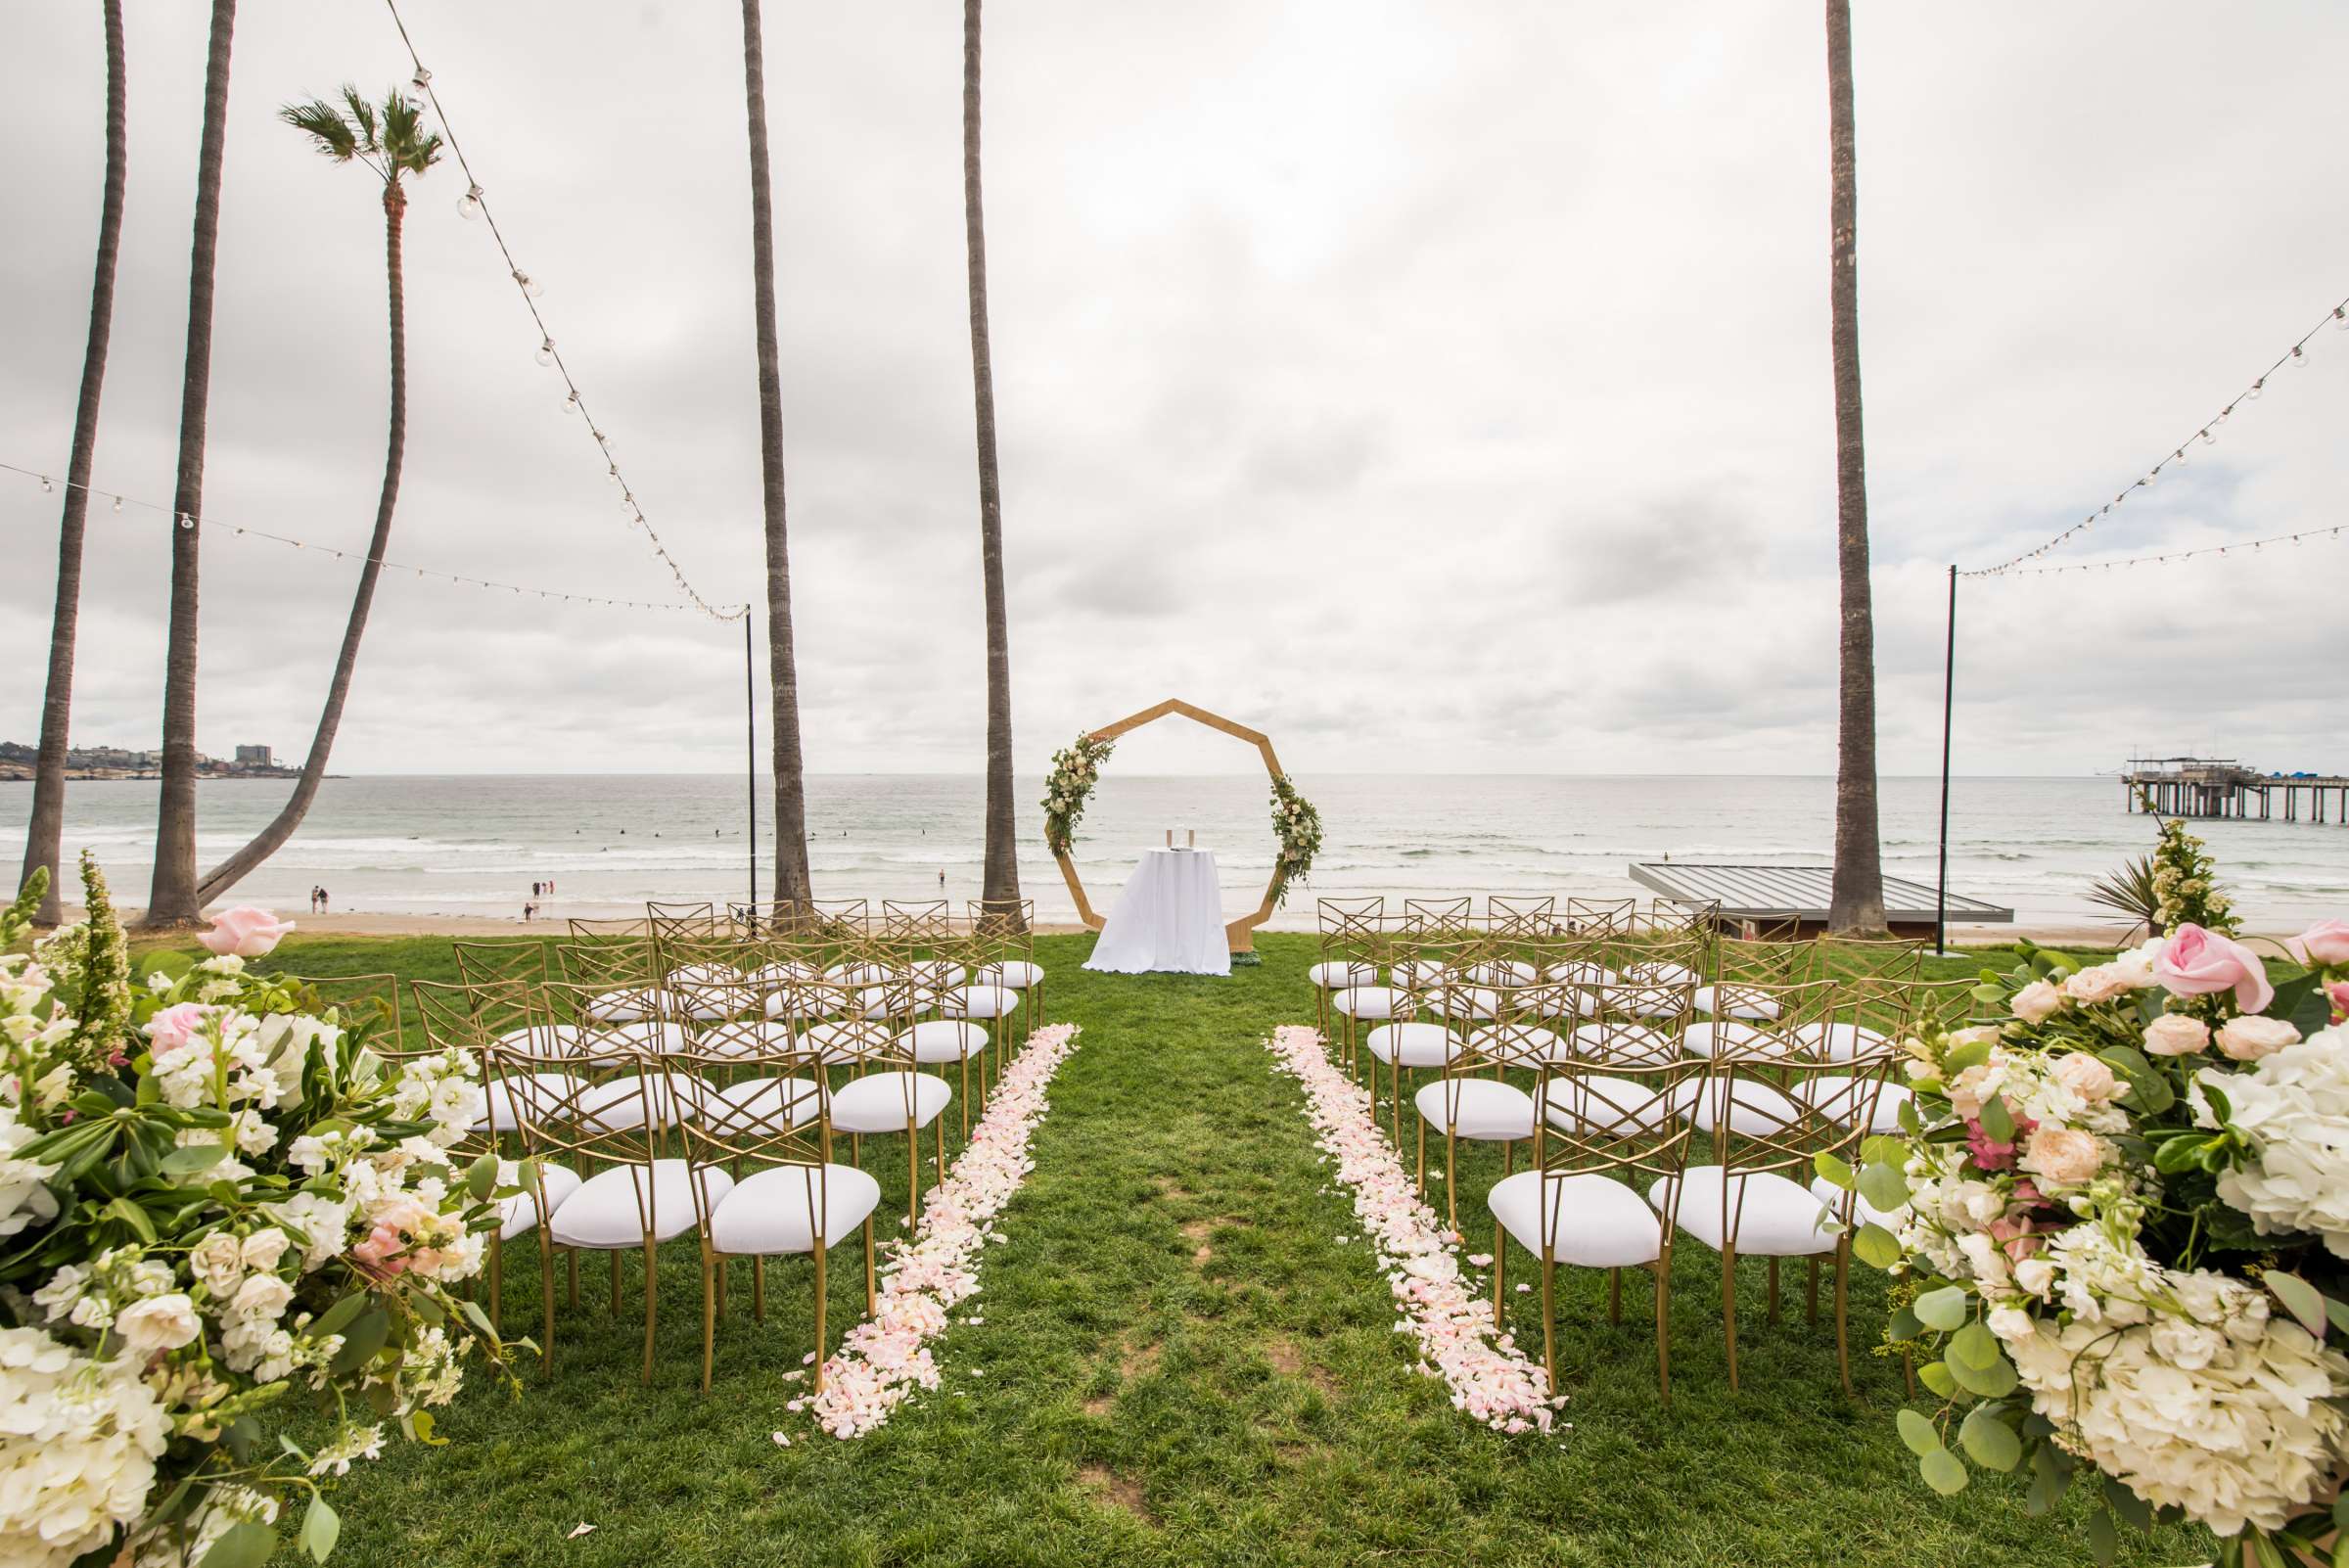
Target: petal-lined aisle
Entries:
(1488, 1378)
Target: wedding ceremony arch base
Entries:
(1239, 934)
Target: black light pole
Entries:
(1949, 686)
(750, 743)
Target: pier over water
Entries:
(2208, 787)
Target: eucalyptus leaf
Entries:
(1993, 1382)
(1917, 1430)
(1884, 1187)
(1834, 1170)
(1942, 1308)
(2128, 1505)
(247, 1544)
(1876, 1246)
(1935, 1375)
(321, 1528)
(1989, 1441)
(362, 1340)
(2104, 1537)
(193, 1160)
(1943, 1472)
(1975, 1344)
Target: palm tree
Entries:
(999, 892)
(783, 676)
(391, 144)
(1856, 902)
(44, 836)
(171, 899)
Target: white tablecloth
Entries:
(1170, 918)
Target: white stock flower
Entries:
(81, 1439)
(23, 1200)
(158, 1323)
(2293, 1105)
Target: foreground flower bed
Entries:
(1488, 1379)
(883, 1360)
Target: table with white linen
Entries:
(1170, 919)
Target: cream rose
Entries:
(2085, 1075)
(2176, 1035)
(218, 1262)
(2099, 985)
(2250, 1037)
(2036, 1277)
(158, 1323)
(2064, 1155)
(263, 1248)
(262, 1296)
(2037, 1002)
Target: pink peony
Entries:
(2198, 962)
(245, 932)
(2085, 1075)
(173, 1026)
(2321, 945)
(2065, 1155)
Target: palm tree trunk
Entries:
(1000, 886)
(330, 719)
(782, 662)
(171, 899)
(44, 836)
(1856, 903)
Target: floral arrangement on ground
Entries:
(1076, 770)
(1298, 826)
(2122, 1203)
(1490, 1379)
(217, 1206)
(883, 1360)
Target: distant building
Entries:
(253, 757)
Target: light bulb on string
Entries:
(2208, 439)
(46, 486)
(2299, 359)
(423, 82)
(117, 506)
(2258, 386)
(469, 205)
(526, 284)
(2340, 318)
(547, 351)
(572, 403)
(613, 473)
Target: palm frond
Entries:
(323, 124)
(407, 146)
(2130, 890)
(364, 112)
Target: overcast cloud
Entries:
(1431, 386)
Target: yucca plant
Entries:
(2130, 892)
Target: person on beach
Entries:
(323, 900)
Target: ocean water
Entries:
(473, 845)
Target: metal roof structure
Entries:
(1794, 893)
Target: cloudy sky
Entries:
(1437, 387)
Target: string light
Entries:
(2296, 355)
(243, 531)
(476, 201)
(2167, 556)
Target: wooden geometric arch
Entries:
(1240, 933)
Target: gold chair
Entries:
(862, 1023)
(484, 962)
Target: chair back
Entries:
(1519, 914)
(620, 926)
(480, 962)
(780, 1114)
(1437, 915)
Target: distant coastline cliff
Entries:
(17, 762)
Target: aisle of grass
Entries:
(1186, 1358)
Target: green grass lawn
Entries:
(1181, 1361)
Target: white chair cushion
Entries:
(1517, 1043)
(1836, 1095)
(781, 973)
(1412, 1044)
(692, 975)
(626, 1101)
(1419, 972)
(884, 1102)
(757, 1107)
(838, 1044)
(745, 1039)
(1367, 1001)
(1710, 1039)
(547, 1041)
(605, 1214)
(1738, 1001)
(661, 1039)
(1753, 1109)
(1662, 974)
(1836, 1042)
(1636, 1043)
(518, 1215)
(1501, 972)
(943, 1040)
(773, 1213)
(1338, 976)
(1592, 1103)
(980, 1001)
(1477, 1108)
(1773, 1216)
(1592, 1221)
(628, 1007)
(1584, 972)
(1466, 1002)
(536, 1094)
(1016, 973)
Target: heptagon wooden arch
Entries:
(1239, 934)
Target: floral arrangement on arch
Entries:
(2123, 1205)
(217, 1209)
(1298, 827)
(1076, 770)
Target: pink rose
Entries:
(2198, 962)
(2085, 1075)
(2176, 1035)
(247, 933)
(173, 1026)
(2037, 1002)
(2250, 1037)
(2065, 1155)
(2338, 993)
(2321, 945)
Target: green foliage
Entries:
(1076, 770)
(391, 140)
(2130, 890)
(1298, 825)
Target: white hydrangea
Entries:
(24, 1201)
(81, 1439)
(2293, 1105)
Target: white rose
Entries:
(218, 1262)
(2176, 1035)
(2012, 1323)
(158, 1323)
(2037, 1002)
(262, 1249)
(2101, 984)
(2248, 1038)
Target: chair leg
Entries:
(820, 1316)
(1501, 1271)
(1728, 1310)
(1549, 1319)
(709, 1320)
(966, 1095)
(938, 1133)
(759, 1289)
(1663, 1268)
(546, 1300)
(913, 1172)
(872, 1295)
(652, 1302)
(1614, 1294)
(1452, 1186)
(1843, 1344)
